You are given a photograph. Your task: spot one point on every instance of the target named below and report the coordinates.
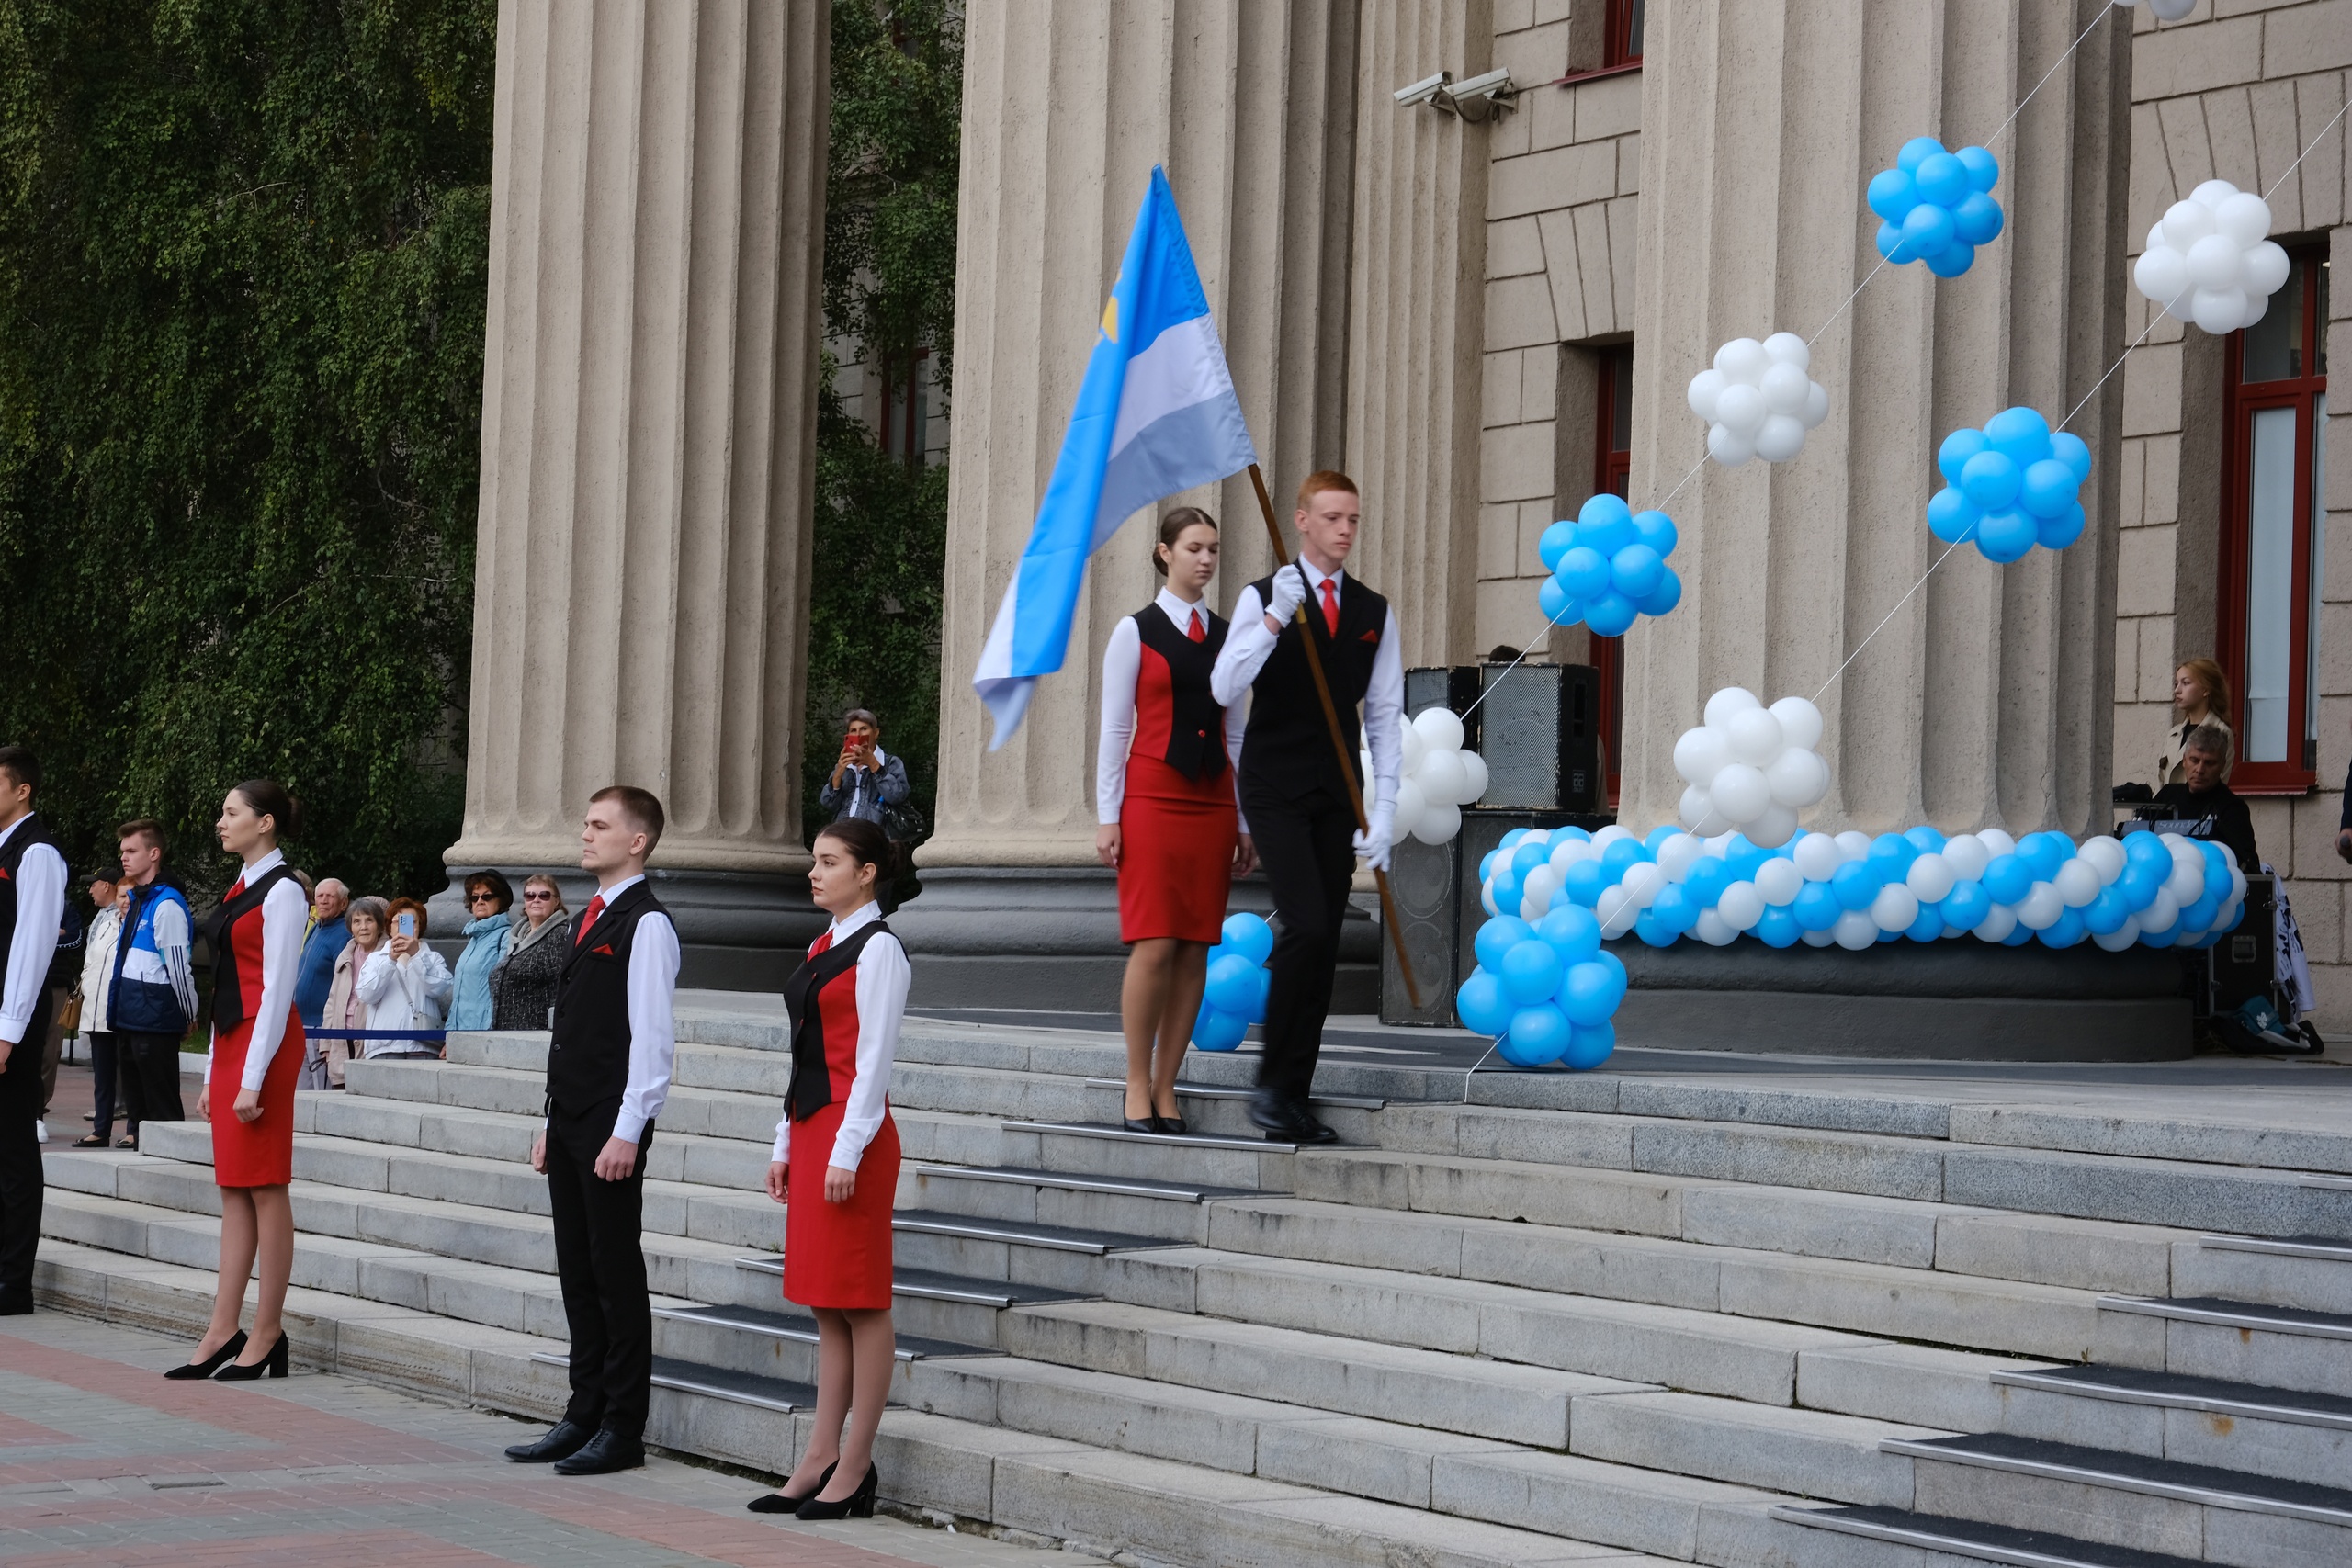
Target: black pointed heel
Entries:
(782, 1502)
(273, 1365)
(230, 1349)
(1172, 1126)
(858, 1505)
(1143, 1123)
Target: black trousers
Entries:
(147, 1071)
(20, 1175)
(1306, 846)
(600, 1258)
(102, 1094)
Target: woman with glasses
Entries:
(488, 926)
(523, 985)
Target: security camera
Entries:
(1424, 91)
(1481, 97)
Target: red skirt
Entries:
(1176, 838)
(259, 1153)
(838, 1255)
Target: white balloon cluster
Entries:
(2165, 10)
(1757, 400)
(2210, 259)
(1751, 767)
(1439, 777)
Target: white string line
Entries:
(2306, 151)
(1850, 298)
(2103, 14)
(1890, 616)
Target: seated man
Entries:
(2201, 793)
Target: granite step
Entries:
(2249, 1342)
(1897, 1537)
(2207, 1421)
(2311, 1272)
(1169, 1211)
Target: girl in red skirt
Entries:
(257, 937)
(1164, 794)
(836, 1167)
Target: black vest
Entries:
(1287, 748)
(1196, 728)
(812, 1082)
(31, 831)
(227, 997)
(588, 1058)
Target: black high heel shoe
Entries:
(858, 1505)
(230, 1349)
(1172, 1126)
(785, 1501)
(273, 1364)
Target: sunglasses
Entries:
(537, 898)
(483, 898)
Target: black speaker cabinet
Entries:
(1540, 733)
(2245, 961)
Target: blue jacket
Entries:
(485, 945)
(154, 993)
(314, 977)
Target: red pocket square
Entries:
(604, 948)
(1369, 637)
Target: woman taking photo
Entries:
(836, 1170)
(1164, 796)
(248, 1094)
(405, 986)
(2200, 696)
(522, 986)
(489, 923)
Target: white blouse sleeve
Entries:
(1121, 666)
(882, 977)
(1237, 721)
(283, 913)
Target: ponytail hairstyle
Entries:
(268, 798)
(1171, 528)
(868, 845)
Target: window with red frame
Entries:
(1623, 44)
(1612, 462)
(2272, 530)
(905, 409)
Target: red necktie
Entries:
(588, 917)
(1196, 631)
(1331, 607)
(234, 889)
(821, 943)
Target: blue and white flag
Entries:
(1156, 414)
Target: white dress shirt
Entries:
(652, 1031)
(1122, 667)
(1248, 645)
(40, 909)
(285, 912)
(883, 976)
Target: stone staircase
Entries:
(1588, 1319)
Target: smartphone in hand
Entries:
(405, 924)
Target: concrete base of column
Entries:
(737, 931)
(1047, 938)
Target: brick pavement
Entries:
(105, 1463)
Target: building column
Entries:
(648, 436)
(1067, 103)
(1987, 698)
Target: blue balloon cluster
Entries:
(1235, 994)
(2010, 485)
(1937, 206)
(1547, 991)
(1608, 567)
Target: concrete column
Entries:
(648, 429)
(1987, 698)
(1067, 103)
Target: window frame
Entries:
(1617, 52)
(903, 406)
(2241, 402)
(1612, 468)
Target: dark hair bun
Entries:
(868, 845)
(269, 798)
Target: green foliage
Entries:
(243, 268)
(881, 523)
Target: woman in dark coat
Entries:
(523, 984)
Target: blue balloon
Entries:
(1583, 883)
(1658, 838)
(2139, 885)
(1816, 907)
(1605, 523)
(1958, 447)
(1655, 930)
(1250, 936)
(1951, 517)
(1885, 935)
(1230, 987)
(1941, 178)
(2146, 848)
(2073, 451)
(1927, 228)
(2202, 915)
(1530, 972)
(2020, 434)
(1927, 926)
(1633, 571)
(1608, 613)
(1262, 987)
(1508, 889)
(1915, 152)
(1557, 541)
(2105, 914)
(1589, 994)
(1778, 928)
(1675, 910)
(1481, 1005)
(2005, 536)
(2044, 854)
(1890, 244)
(1743, 860)
(1589, 1046)
(1891, 857)
(2216, 863)
(1486, 863)
(2018, 937)
(1976, 220)
(1657, 530)
(1571, 932)
(1965, 905)
(1538, 1034)
(1531, 854)
(1216, 1030)
(1983, 169)
(2008, 878)
(1990, 480)
(1925, 840)
(1952, 260)
(2047, 488)
(1498, 936)
(2066, 931)
(2237, 916)
(1706, 881)
(1892, 193)
(1854, 885)
(1665, 596)
(1583, 572)
(1511, 838)
(2164, 937)
(2057, 532)
(1554, 601)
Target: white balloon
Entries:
(1799, 722)
(2124, 936)
(2104, 855)
(1414, 751)
(1741, 905)
(1679, 854)
(1711, 824)
(1541, 883)
(1727, 702)
(1854, 845)
(1726, 448)
(2218, 310)
(2163, 910)
(1742, 359)
(1782, 439)
(1442, 778)
(1616, 910)
(1474, 773)
(1816, 858)
(1613, 833)
(1816, 405)
(1566, 852)
(1967, 856)
(2212, 193)
(1755, 736)
(1929, 878)
(2213, 262)
(1855, 931)
(1486, 897)
(1778, 882)
(2266, 269)
(1696, 806)
(1996, 842)
(1784, 387)
(2238, 884)
(1439, 728)
(1706, 388)
(2186, 222)
(1537, 836)
(2171, 10)
(1798, 778)
(1740, 793)
(1438, 824)
(1997, 923)
(1713, 930)
(1701, 753)
(1817, 939)
(1775, 828)
(2041, 908)
(1410, 804)
(2243, 218)
(1894, 907)
(2161, 276)
(1787, 348)
(2187, 882)
(1741, 410)
(2077, 883)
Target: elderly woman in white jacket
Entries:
(405, 986)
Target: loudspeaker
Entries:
(1422, 882)
(2246, 962)
(1540, 732)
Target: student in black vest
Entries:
(32, 902)
(1291, 785)
(608, 1076)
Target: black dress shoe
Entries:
(1171, 1126)
(858, 1505)
(782, 1502)
(1270, 1113)
(604, 1453)
(230, 1349)
(273, 1364)
(16, 1304)
(561, 1441)
(1307, 1129)
(1143, 1123)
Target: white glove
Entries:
(1289, 589)
(1373, 842)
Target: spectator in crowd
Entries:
(523, 986)
(152, 999)
(489, 899)
(369, 920)
(328, 934)
(2200, 696)
(404, 987)
(865, 778)
(2203, 791)
(98, 974)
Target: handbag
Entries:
(68, 1013)
(902, 820)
